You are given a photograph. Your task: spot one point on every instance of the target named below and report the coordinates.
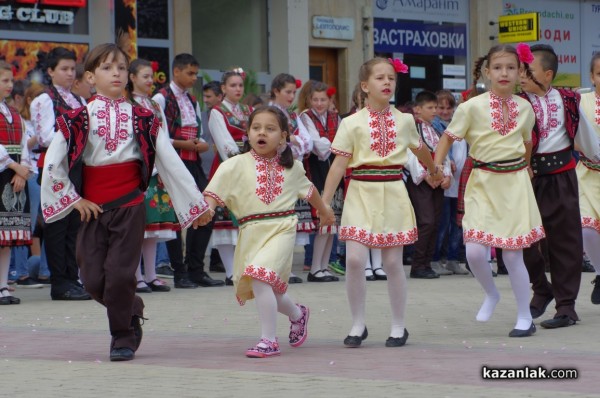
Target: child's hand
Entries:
(446, 182)
(87, 208)
(18, 183)
(327, 218)
(20, 170)
(438, 176)
(204, 219)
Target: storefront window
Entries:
(50, 16)
(152, 19)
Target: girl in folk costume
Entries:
(161, 221)
(374, 142)
(497, 125)
(283, 92)
(588, 172)
(15, 221)
(227, 124)
(99, 163)
(322, 125)
(261, 187)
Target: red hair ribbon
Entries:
(298, 83)
(399, 66)
(154, 66)
(524, 53)
(331, 92)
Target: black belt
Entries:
(550, 162)
(115, 204)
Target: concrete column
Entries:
(289, 38)
(182, 26)
(102, 22)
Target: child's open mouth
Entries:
(261, 142)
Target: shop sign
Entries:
(333, 28)
(420, 38)
(517, 28)
(43, 15)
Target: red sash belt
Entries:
(377, 173)
(187, 133)
(266, 216)
(104, 184)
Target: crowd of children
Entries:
(377, 179)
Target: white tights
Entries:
(321, 252)
(226, 252)
(519, 280)
(149, 256)
(268, 303)
(4, 266)
(356, 286)
(591, 246)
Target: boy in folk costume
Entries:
(183, 122)
(99, 163)
(556, 191)
(59, 237)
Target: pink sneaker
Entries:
(264, 348)
(299, 328)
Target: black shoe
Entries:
(73, 293)
(29, 283)
(184, 283)
(121, 354)
(423, 273)
(318, 276)
(144, 288)
(43, 281)
(165, 271)
(560, 321)
(206, 281)
(355, 341)
(596, 291)
(397, 341)
(136, 324)
(294, 279)
(521, 332)
(536, 313)
(502, 270)
(228, 281)
(587, 266)
(380, 276)
(217, 267)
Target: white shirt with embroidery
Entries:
(304, 143)
(189, 114)
(5, 159)
(111, 141)
(226, 145)
(550, 117)
(321, 145)
(42, 114)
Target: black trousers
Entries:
(196, 240)
(59, 241)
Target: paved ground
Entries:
(194, 343)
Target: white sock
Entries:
(477, 256)
(4, 268)
(519, 281)
(591, 247)
(266, 304)
(356, 284)
(319, 246)
(326, 253)
(286, 306)
(397, 289)
(227, 252)
(149, 254)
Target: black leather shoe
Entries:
(73, 293)
(228, 281)
(560, 321)
(217, 267)
(397, 341)
(294, 279)
(521, 332)
(536, 313)
(136, 324)
(423, 273)
(355, 341)
(121, 354)
(587, 266)
(596, 291)
(207, 281)
(319, 276)
(380, 276)
(184, 283)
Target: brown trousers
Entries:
(428, 204)
(108, 253)
(557, 196)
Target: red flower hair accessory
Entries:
(524, 53)
(14, 70)
(154, 66)
(298, 83)
(331, 92)
(241, 72)
(399, 66)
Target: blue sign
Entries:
(420, 38)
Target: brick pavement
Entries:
(195, 339)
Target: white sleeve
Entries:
(226, 146)
(200, 124)
(586, 138)
(321, 145)
(5, 158)
(25, 152)
(43, 119)
(414, 167)
(304, 142)
(58, 193)
(187, 199)
(160, 100)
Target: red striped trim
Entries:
(261, 216)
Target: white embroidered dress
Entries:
(111, 141)
(259, 190)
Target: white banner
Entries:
(423, 10)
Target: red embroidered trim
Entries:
(378, 239)
(597, 109)
(497, 114)
(262, 216)
(382, 128)
(514, 243)
(339, 152)
(265, 275)
(195, 210)
(455, 138)
(215, 197)
(105, 126)
(590, 222)
(59, 206)
(269, 178)
(545, 115)
(310, 192)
